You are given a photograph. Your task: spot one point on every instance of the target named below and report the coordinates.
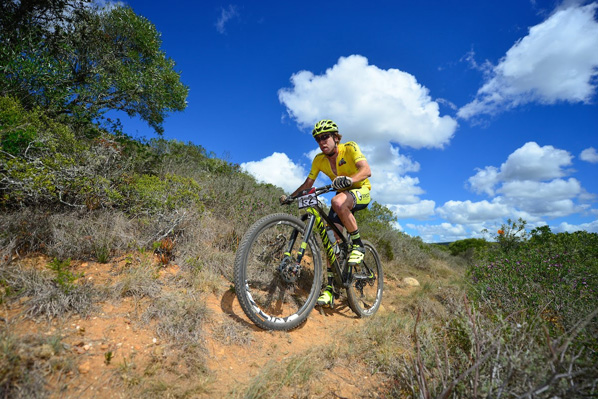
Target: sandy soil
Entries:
(134, 347)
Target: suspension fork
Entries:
(306, 234)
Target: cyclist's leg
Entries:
(358, 199)
(342, 204)
(346, 203)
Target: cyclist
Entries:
(348, 169)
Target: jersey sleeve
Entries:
(315, 169)
(354, 148)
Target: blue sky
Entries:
(469, 112)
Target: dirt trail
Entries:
(136, 353)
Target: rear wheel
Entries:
(364, 295)
(274, 290)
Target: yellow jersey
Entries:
(348, 155)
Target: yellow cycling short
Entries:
(361, 199)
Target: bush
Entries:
(477, 353)
(463, 247)
(50, 293)
(25, 362)
(552, 278)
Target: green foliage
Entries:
(147, 194)
(511, 235)
(64, 277)
(552, 276)
(377, 223)
(470, 244)
(79, 61)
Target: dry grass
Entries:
(138, 278)
(230, 332)
(45, 295)
(293, 377)
(28, 361)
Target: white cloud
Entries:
(390, 188)
(485, 180)
(591, 227)
(277, 169)
(556, 190)
(444, 232)
(530, 185)
(532, 162)
(468, 212)
(589, 155)
(421, 210)
(556, 61)
(226, 15)
(369, 104)
(378, 109)
(528, 163)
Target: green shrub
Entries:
(461, 247)
(49, 293)
(553, 277)
(64, 277)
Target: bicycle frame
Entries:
(281, 299)
(314, 217)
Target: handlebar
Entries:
(317, 191)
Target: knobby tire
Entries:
(271, 300)
(364, 295)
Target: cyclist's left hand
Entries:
(341, 182)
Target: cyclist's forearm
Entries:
(306, 185)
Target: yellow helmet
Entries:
(324, 126)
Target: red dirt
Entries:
(115, 329)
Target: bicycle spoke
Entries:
(365, 293)
(277, 287)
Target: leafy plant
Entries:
(78, 61)
(64, 277)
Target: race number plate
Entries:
(307, 201)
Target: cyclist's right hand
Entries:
(283, 199)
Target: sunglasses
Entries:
(323, 137)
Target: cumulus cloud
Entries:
(556, 61)
(444, 232)
(530, 184)
(369, 104)
(380, 110)
(422, 210)
(226, 15)
(591, 227)
(528, 163)
(277, 169)
(485, 180)
(556, 189)
(468, 212)
(589, 155)
(532, 162)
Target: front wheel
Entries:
(275, 290)
(364, 295)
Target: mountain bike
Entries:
(279, 267)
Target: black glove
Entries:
(341, 182)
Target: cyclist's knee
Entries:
(341, 202)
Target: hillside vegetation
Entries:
(514, 316)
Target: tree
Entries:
(74, 60)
